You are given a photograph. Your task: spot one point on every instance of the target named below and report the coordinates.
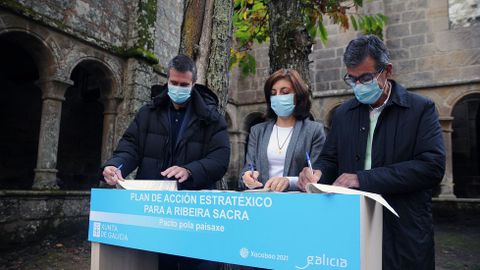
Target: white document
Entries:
(147, 185)
(320, 188)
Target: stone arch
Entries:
(88, 119)
(113, 89)
(329, 116)
(20, 107)
(251, 119)
(466, 145)
(230, 117)
(315, 116)
(453, 100)
(40, 45)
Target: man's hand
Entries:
(180, 173)
(112, 175)
(277, 183)
(250, 180)
(306, 177)
(348, 180)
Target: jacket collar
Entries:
(398, 96)
(203, 101)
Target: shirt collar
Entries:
(381, 107)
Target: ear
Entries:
(389, 70)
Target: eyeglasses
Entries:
(366, 78)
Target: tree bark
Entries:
(206, 37)
(221, 41)
(205, 42)
(290, 43)
(192, 27)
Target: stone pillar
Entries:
(108, 136)
(446, 186)
(241, 140)
(53, 95)
(233, 166)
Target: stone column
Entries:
(242, 150)
(108, 136)
(53, 96)
(446, 186)
(232, 167)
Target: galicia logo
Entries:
(244, 253)
(96, 229)
(324, 261)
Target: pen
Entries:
(250, 165)
(118, 169)
(309, 163)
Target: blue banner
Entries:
(269, 230)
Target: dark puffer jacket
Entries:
(202, 147)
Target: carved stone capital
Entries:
(54, 88)
(446, 123)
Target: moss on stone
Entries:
(146, 55)
(30, 13)
(142, 49)
(159, 69)
(17, 7)
(147, 16)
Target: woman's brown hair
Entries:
(302, 95)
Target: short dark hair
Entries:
(302, 95)
(183, 63)
(363, 47)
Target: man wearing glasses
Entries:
(388, 141)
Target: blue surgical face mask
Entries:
(283, 105)
(367, 93)
(179, 94)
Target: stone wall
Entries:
(246, 90)
(27, 216)
(97, 35)
(106, 22)
(429, 56)
(168, 30)
(463, 13)
(424, 51)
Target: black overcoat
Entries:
(408, 160)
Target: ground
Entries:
(457, 244)
(67, 253)
(457, 247)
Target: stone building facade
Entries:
(433, 53)
(72, 76)
(75, 72)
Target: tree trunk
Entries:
(222, 28)
(290, 43)
(206, 37)
(217, 78)
(192, 27)
(205, 42)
